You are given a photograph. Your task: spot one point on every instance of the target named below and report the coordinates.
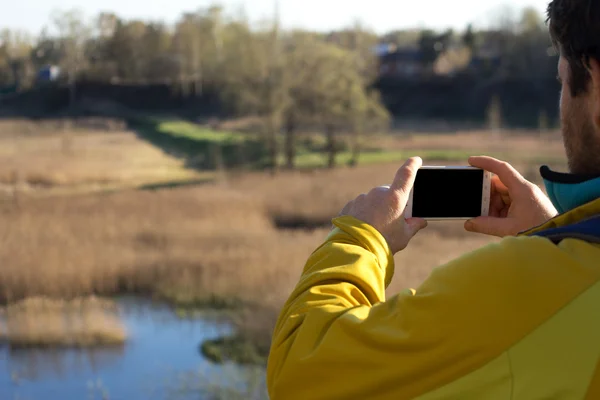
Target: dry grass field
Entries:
(59, 156)
(66, 157)
(243, 239)
(193, 246)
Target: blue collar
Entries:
(569, 191)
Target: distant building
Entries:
(452, 61)
(384, 48)
(484, 64)
(49, 73)
(406, 62)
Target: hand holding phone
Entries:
(450, 193)
(516, 204)
(383, 208)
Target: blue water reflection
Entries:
(161, 360)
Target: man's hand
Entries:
(383, 208)
(516, 204)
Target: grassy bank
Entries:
(44, 322)
(207, 148)
(72, 158)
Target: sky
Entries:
(323, 15)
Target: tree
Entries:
(358, 106)
(276, 93)
(531, 21)
(101, 63)
(469, 39)
(106, 25)
(368, 114)
(189, 43)
(327, 85)
(200, 41)
(427, 47)
(257, 81)
(361, 42)
(215, 25)
(402, 38)
(156, 51)
(301, 66)
(47, 50)
(503, 19)
(336, 93)
(119, 54)
(530, 56)
(494, 114)
(15, 61)
(502, 36)
(73, 33)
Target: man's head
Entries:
(575, 30)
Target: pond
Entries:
(161, 360)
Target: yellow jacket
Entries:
(518, 319)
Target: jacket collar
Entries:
(571, 217)
(570, 191)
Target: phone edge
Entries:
(486, 193)
(409, 205)
(449, 167)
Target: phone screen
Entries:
(448, 193)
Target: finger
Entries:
(494, 213)
(405, 177)
(346, 209)
(509, 176)
(492, 226)
(496, 205)
(498, 186)
(500, 197)
(414, 225)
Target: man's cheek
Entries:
(563, 99)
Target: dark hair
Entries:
(575, 31)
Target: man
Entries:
(519, 319)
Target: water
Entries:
(161, 360)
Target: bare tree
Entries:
(338, 80)
(15, 49)
(127, 48)
(74, 33)
(302, 66)
(189, 43)
(494, 115)
(200, 40)
(257, 81)
(367, 114)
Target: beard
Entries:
(581, 140)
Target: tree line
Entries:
(291, 79)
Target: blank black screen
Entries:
(447, 193)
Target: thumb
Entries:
(414, 225)
(405, 177)
(492, 226)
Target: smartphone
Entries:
(450, 193)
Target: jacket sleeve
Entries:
(337, 337)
